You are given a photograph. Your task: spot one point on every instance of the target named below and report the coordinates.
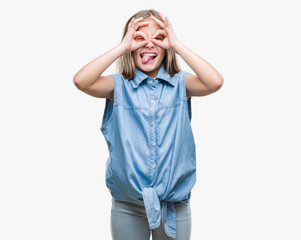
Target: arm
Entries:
(89, 79)
(207, 80)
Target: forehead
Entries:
(151, 27)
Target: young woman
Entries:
(151, 167)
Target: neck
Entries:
(152, 74)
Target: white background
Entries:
(53, 154)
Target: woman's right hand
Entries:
(129, 41)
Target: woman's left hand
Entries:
(170, 40)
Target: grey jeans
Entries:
(129, 222)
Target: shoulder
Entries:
(119, 79)
(117, 76)
(122, 84)
(181, 74)
(180, 77)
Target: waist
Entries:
(141, 204)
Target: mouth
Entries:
(148, 57)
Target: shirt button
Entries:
(154, 144)
(153, 101)
(150, 81)
(153, 123)
(154, 166)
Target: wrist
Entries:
(122, 48)
(177, 47)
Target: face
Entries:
(149, 58)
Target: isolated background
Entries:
(53, 154)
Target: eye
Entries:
(160, 37)
(139, 38)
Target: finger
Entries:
(162, 16)
(131, 23)
(159, 32)
(167, 21)
(158, 43)
(142, 44)
(160, 23)
(140, 24)
(138, 20)
(140, 34)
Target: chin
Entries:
(148, 67)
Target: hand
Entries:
(170, 40)
(129, 41)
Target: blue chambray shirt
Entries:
(152, 156)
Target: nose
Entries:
(150, 44)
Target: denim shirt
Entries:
(152, 156)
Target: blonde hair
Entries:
(126, 65)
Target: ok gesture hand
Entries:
(170, 41)
(129, 43)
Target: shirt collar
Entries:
(162, 74)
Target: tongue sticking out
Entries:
(146, 59)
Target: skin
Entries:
(149, 31)
(139, 37)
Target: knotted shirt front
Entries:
(152, 156)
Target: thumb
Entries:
(157, 42)
(142, 44)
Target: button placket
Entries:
(153, 135)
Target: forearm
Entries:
(205, 72)
(91, 72)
